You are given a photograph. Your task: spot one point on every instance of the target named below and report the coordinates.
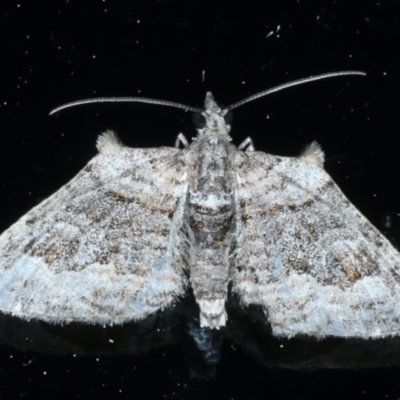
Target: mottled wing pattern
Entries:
(105, 248)
(307, 255)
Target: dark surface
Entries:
(61, 51)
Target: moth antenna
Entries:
(126, 99)
(200, 110)
(290, 84)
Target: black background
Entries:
(60, 51)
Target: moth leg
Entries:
(181, 139)
(247, 145)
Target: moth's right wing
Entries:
(107, 247)
(307, 256)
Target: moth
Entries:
(136, 228)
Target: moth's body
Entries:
(211, 210)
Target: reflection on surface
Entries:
(246, 328)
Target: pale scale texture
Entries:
(99, 250)
(308, 256)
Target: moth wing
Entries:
(103, 249)
(305, 254)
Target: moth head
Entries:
(212, 121)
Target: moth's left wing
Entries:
(107, 247)
(307, 256)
